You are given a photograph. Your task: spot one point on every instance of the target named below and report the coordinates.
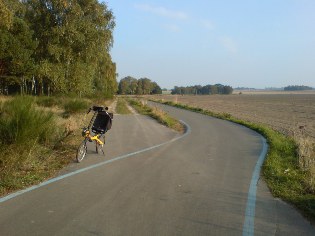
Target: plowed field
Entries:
(284, 112)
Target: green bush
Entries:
(75, 106)
(21, 123)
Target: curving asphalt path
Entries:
(154, 181)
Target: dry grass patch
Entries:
(4, 98)
(165, 119)
(306, 159)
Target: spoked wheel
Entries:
(99, 148)
(81, 151)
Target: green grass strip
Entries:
(157, 114)
(280, 170)
(121, 107)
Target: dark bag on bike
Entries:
(102, 122)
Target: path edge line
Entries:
(249, 221)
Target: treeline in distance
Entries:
(297, 88)
(130, 85)
(203, 90)
(56, 46)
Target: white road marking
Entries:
(249, 222)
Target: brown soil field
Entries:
(256, 92)
(287, 112)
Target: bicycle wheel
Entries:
(104, 140)
(81, 151)
(99, 148)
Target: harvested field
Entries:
(285, 112)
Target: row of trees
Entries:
(130, 85)
(56, 46)
(297, 88)
(203, 90)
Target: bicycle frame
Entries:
(87, 134)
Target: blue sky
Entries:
(241, 43)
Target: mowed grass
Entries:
(281, 169)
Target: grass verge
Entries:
(121, 107)
(157, 114)
(281, 169)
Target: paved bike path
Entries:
(196, 185)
